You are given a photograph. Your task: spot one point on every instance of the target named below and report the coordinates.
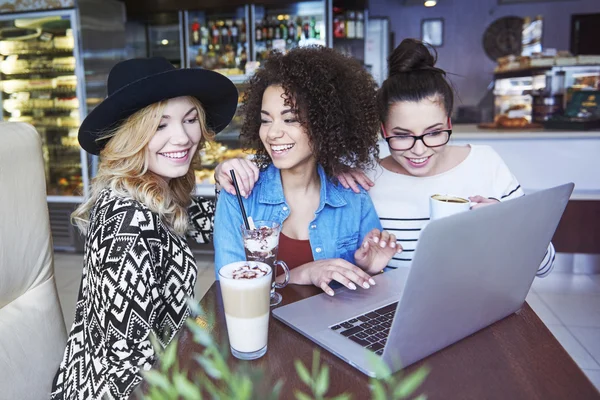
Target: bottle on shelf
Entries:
(351, 25)
(339, 24)
(225, 33)
(259, 31)
(291, 27)
(360, 25)
(215, 33)
(306, 28)
(233, 31)
(204, 35)
(265, 29)
(242, 30)
(312, 26)
(195, 32)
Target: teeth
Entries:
(281, 147)
(418, 160)
(175, 154)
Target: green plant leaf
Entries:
(195, 307)
(209, 367)
(315, 364)
(382, 371)
(169, 356)
(410, 383)
(276, 392)
(343, 396)
(155, 394)
(186, 388)
(302, 396)
(157, 379)
(244, 388)
(322, 382)
(200, 334)
(378, 391)
(421, 397)
(303, 373)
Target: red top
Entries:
(294, 252)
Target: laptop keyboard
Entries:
(370, 330)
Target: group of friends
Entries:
(313, 117)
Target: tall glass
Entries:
(245, 289)
(261, 244)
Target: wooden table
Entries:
(515, 358)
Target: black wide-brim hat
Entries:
(137, 83)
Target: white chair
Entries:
(32, 329)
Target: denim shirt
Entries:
(341, 221)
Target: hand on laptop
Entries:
(320, 273)
(376, 251)
(481, 201)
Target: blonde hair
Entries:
(124, 169)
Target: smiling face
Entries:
(284, 138)
(171, 149)
(416, 119)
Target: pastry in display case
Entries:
(39, 86)
(527, 98)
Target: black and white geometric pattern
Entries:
(202, 215)
(137, 275)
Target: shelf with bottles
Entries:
(283, 32)
(218, 40)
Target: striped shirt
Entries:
(402, 201)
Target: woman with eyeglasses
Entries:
(415, 104)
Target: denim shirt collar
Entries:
(330, 193)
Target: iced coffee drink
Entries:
(245, 288)
(261, 244)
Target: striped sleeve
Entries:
(547, 263)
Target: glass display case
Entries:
(41, 85)
(536, 94)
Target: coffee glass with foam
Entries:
(245, 289)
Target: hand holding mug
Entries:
(481, 201)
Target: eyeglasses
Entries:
(407, 142)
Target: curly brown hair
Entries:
(336, 103)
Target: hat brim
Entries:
(217, 94)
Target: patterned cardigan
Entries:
(137, 275)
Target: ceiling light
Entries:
(164, 42)
(430, 3)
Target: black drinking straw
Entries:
(239, 197)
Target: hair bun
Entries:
(410, 56)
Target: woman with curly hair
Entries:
(308, 115)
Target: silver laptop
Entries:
(469, 271)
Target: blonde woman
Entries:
(138, 269)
